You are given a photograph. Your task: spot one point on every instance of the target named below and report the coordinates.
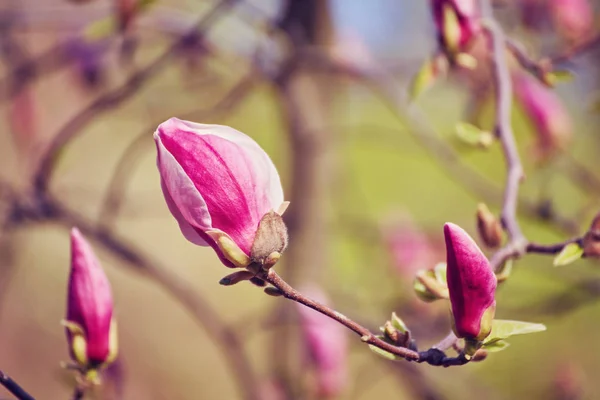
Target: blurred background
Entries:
(372, 177)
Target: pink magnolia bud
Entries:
(457, 23)
(471, 284)
(218, 184)
(90, 327)
(573, 19)
(547, 114)
(326, 342)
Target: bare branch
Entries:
(114, 98)
(14, 388)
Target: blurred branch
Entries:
(540, 68)
(517, 242)
(224, 337)
(115, 194)
(14, 387)
(48, 209)
(551, 248)
(115, 97)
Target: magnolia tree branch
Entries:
(226, 338)
(432, 356)
(115, 194)
(113, 98)
(14, 388)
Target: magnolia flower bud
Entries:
(90, 326)
(457, 23)
(591, 240)
(489, 227)
(547, 114)
(326, 342)
(471, 285)
(219, 184)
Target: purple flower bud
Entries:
(327, 345)
(457, 23)
(471, 284)
(218, 184)
(90, 328)
(547, 113)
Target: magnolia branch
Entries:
(433, 356)
(115, 97)
(14, 388)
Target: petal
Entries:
(188, 231)
(183, 194)
(263, 166)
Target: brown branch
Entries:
(115, 97)
(432, 356)
(14, 388)
(78, 393)
(222, 335)
(115, 193)
(551, 248)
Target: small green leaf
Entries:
(505, 270)
(571, 252)
(398, 323)
(472, 135)
(466, 61)
(503, 329)
(423, 79)
(451, 29)
(100, 29)
(496, 346)
(558, 76)
(440, 272)
(383, 353)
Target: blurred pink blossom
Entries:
(410, 247)
(327, 345)
(573, 19)
(466, 13)
(546, 112)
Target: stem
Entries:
(78, 393)
(517, 243)
(432, 356)
(14, 388)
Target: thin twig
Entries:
(432, 356)
(78, 393)
(14, 387)
(114, 98)
(115, 193)
(224, 337)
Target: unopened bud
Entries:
(236, 277)
(273, 291)
(591, 240)
(480, 355)
(428, 287)
(270, 241)
(489, 227)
